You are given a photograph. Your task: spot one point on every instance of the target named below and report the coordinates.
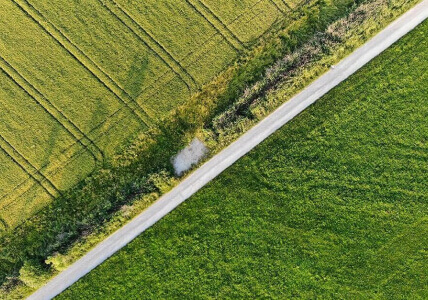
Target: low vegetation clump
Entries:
(333, 205)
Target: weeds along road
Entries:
(232, 153)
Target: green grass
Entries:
(82, 79)
(255, 16)
(333, 205)
(107, 41)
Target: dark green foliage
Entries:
(334, 205)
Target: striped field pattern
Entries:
(81, 78)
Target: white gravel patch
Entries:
(189, 156)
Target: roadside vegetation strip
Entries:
(285, 209)
(236, 150)
(151, 42)
(85, 61)
(217, 24)
(56, 114)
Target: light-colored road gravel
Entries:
(240, 147)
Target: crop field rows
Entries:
(79, 79)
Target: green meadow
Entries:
(333, 206)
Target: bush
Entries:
(33, 274)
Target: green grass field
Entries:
(333, 205)
(81, 79)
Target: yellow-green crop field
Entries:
(81, 78)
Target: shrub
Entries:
(33, 274)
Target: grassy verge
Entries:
(137, 177)
(333, 205)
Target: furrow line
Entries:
(51, 109)
(216, 23)
(194, 55)
(29, 168)
(150, 41)
(279, 4)
(85, 61)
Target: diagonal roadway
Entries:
(232, 153)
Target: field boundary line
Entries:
(51, 110)
(84, 60)
(244, 144)
(216, 23)
(123, 16)
(28, 167)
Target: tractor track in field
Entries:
(193, 56)
(278, 6)
(221, 161)
(28, 167)
(204, 11)
(150, 41)
(84, 60)
(27, 184)
(70, 127)
(18, 190)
